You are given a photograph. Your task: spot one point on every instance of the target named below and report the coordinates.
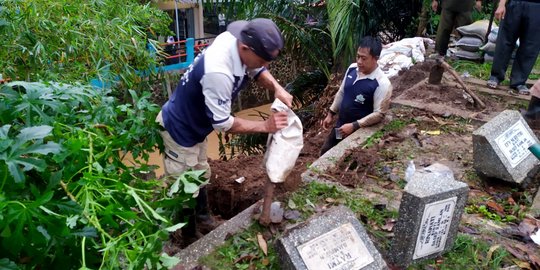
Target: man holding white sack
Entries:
(202, 101)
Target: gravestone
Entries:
(500, 148)
(332, 240)
(429, 215)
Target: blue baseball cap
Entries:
(261, 35)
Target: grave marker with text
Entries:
(500, 148)
(332, 240)
(429, 215)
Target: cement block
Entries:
(332, 240)
(429, 215)
(501, 148)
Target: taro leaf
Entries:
(144, 207)
(71, 221)
(168, 261)
(174, 228)
(17, 155)
(86, 232)
(6, 264)
(189, 188)
(44, 232)
(187, 179)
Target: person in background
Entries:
(202, 102)
(454, 13)
(363, 97)
(519, 19)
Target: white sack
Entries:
(284, 146)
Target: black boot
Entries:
(205, 221)
(189, 231)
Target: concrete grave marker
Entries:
(501, 148)
(429, 215)
(332, 240)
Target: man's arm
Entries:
(266, 80)
(275, 122)
(217, 91)
(334, 108)
(381, 105)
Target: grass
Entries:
(468, 253)
(483, 70)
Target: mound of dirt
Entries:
(229, 197)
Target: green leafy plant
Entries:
(67, 199)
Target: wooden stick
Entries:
(449, 68)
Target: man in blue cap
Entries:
(202, 101)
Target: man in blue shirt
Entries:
(202, 100)
(363, 97)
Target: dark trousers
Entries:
(449, 20)
(330, 142)
(522, 20)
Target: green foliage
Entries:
(303, 26)
(466, 252)
(67, 200)
(72, 41)
(242, 251)
(393, 126)
(477, 70)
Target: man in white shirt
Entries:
(202, 100)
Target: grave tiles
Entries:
(500, 148)
(429, 216)
(332, 240)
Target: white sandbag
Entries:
(469, 43)
(478, 29)
(488, 47)
(462, 54)
(488, 58)
(284, 146)
(401, 55)
(492, 37)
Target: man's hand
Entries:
(434, 5)
(500, 12)
(283, 95)
(478, 5)
(275, 122)
(327, 122)
(346, 129)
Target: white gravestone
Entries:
(429, 214)
(514, 143)
(330, 240)
(434, 227)
(339, 249)
(500, 149)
